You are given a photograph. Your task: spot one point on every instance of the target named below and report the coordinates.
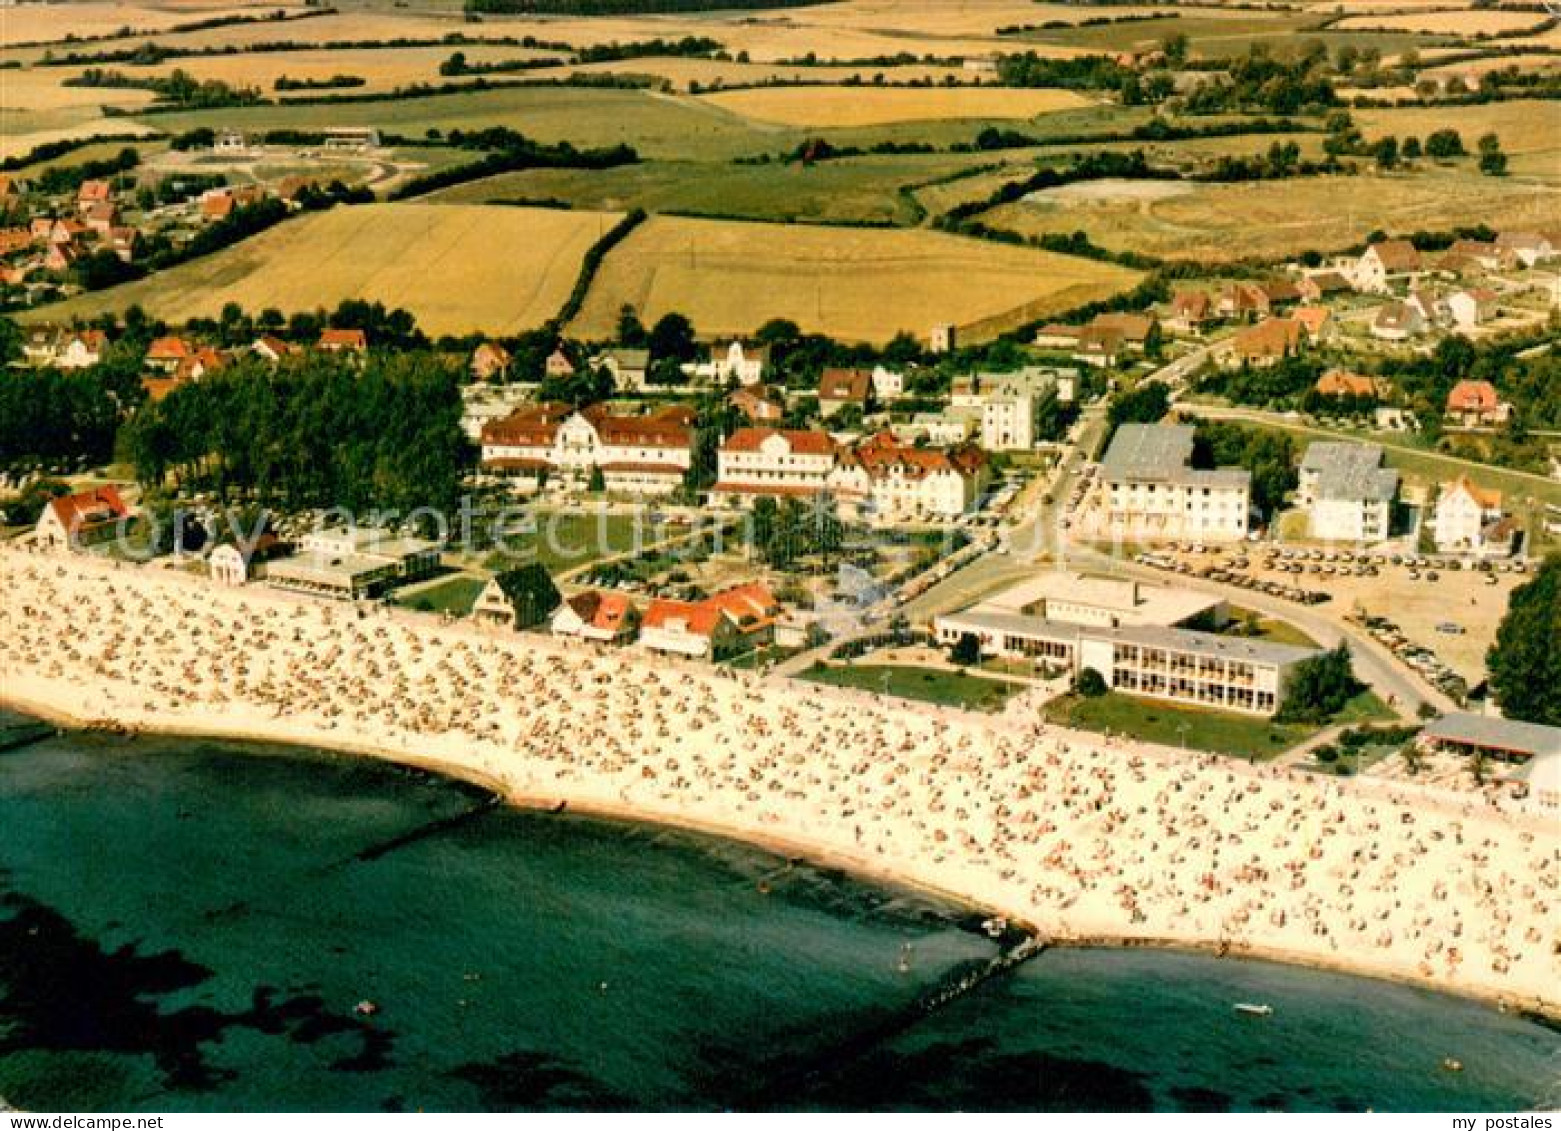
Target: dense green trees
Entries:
(785, 532)
(1320, 687)
(1525, 660)
(531, 594)
(49, 416)
(320, 431)
(1269, 456)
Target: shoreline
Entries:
(785, 848)
(1083, 840)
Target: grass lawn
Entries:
(567, 540)
(455, 596)
(929, 685)
(1219, 732)
(1274, 630)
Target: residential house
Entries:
(100, 217)
(15, 239)
(1397, 322)
(888, 384)
(41, 345)
(1432, 308)
(490, 362)
(1100, 346)
(93, 192)
(1465, 513)
(1485, 254)
(558, 365)
(83, 349)
(82, 520)
(1006, 406)
(1316, 321)
(122, 242)
(1190, 313)
(1267, 343)
(727, 623)
(1476, 404)
(1340, 383)
(771, 461)
(888, 481)
(1243, 301)
(61, 256)
(341, 339)
(758, 404)
(1058, 336)
(840, 388)
(271, 348)
(1530, 248)
(743, 363)
(1152, 490)
(1280, 292)
(1322, 285)
(165, 353)
(1472, 308)
(648, 454)
(630, 368)
(1385, 265)
(1347, 492)
(598, 616)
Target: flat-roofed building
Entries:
(353, 563)
(1106, 602)
(1347, 492)
(1151, 489)
(1501, 740)
(1228, 673)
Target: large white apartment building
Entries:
(773, 461)
(635, 454)
(1006, 404)
(1347, 492)
(1150, 490)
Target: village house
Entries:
(490, 362)
(887, 481)
(1346, 491)
(165, 353)
(93, 192)
(1190, 313)
(15, 239)
(269, 347)
(1243, 301)
(1100, 346)
(82, 349)
(100, 217)
(1322, 285)
(335, 339)
(1476, 404)
(1397, 322)
(888, 384)
(641, 455)
(758, 404)
(61, 256)
(82, 520)
(630, 368)
(725, 624)
(1316, 321)
(1468, 517)
(1385, 265)
(744, 364)
(122, 242)
(1431, 307)
(1150, 488)
(1530, 248)
(597, 616)
(1340, 383)
(558, 365)
(1267, 343)
(771, 461)
(41, 345)
(1472, 308)
(842, 388)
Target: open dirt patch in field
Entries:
(458, 269)
(1111, 191)
(730, 277)
(829, 106)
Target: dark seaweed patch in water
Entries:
(1003, 1081)
(1203, 1100)
(538, 1081)
(62, 992)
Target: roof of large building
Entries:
(800, 442)
(1507, 735)
(1350, 472)
(1206, 643)
(1162, 453)
(1127, 601)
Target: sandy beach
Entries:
(1086, 839)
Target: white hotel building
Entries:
(1151, 490)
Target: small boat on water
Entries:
(1254, 1009)
(366, 1008)
(904, 964)
(995, 926)
(1452, 1064)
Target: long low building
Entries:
(353, 564)
(1230, 673)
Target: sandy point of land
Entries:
(1082, 837)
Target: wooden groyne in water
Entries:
(489, 803)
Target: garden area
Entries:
(928, 685)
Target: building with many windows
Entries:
(1347, 492)
(642, 455)
(1151, 490)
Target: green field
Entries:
(454, 596)
(567, 540)
(928, 685)
(1218, 37)
(1219, 732)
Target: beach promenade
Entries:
(1082, 838)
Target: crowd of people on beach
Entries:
(1083, 837)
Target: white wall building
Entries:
(1150, 489)
(773, 461)
(888, 481)
(636, 454)
(1347, 492)
(1463, 513)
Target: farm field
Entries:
(39, 89)
(83, 19)
(1526, 127)
(459, 270)
(685, 74)
(729, 277)
(834, 106)
(56, 127)
(1217, 34)
(1462, 23)
(1272, 219)
(858, 190)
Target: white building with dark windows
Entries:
(1151, 490)
(1347, 492)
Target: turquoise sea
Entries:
(191, 925)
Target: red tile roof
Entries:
(801, 442)
(1473, 396)
(89, 508)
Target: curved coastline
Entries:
(526, 782)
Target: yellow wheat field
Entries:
(51, 23)
(1456, 22)
(837, 106)
(41, 89)
(459, 269)
(730, 277)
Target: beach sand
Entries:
(1085, 839)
